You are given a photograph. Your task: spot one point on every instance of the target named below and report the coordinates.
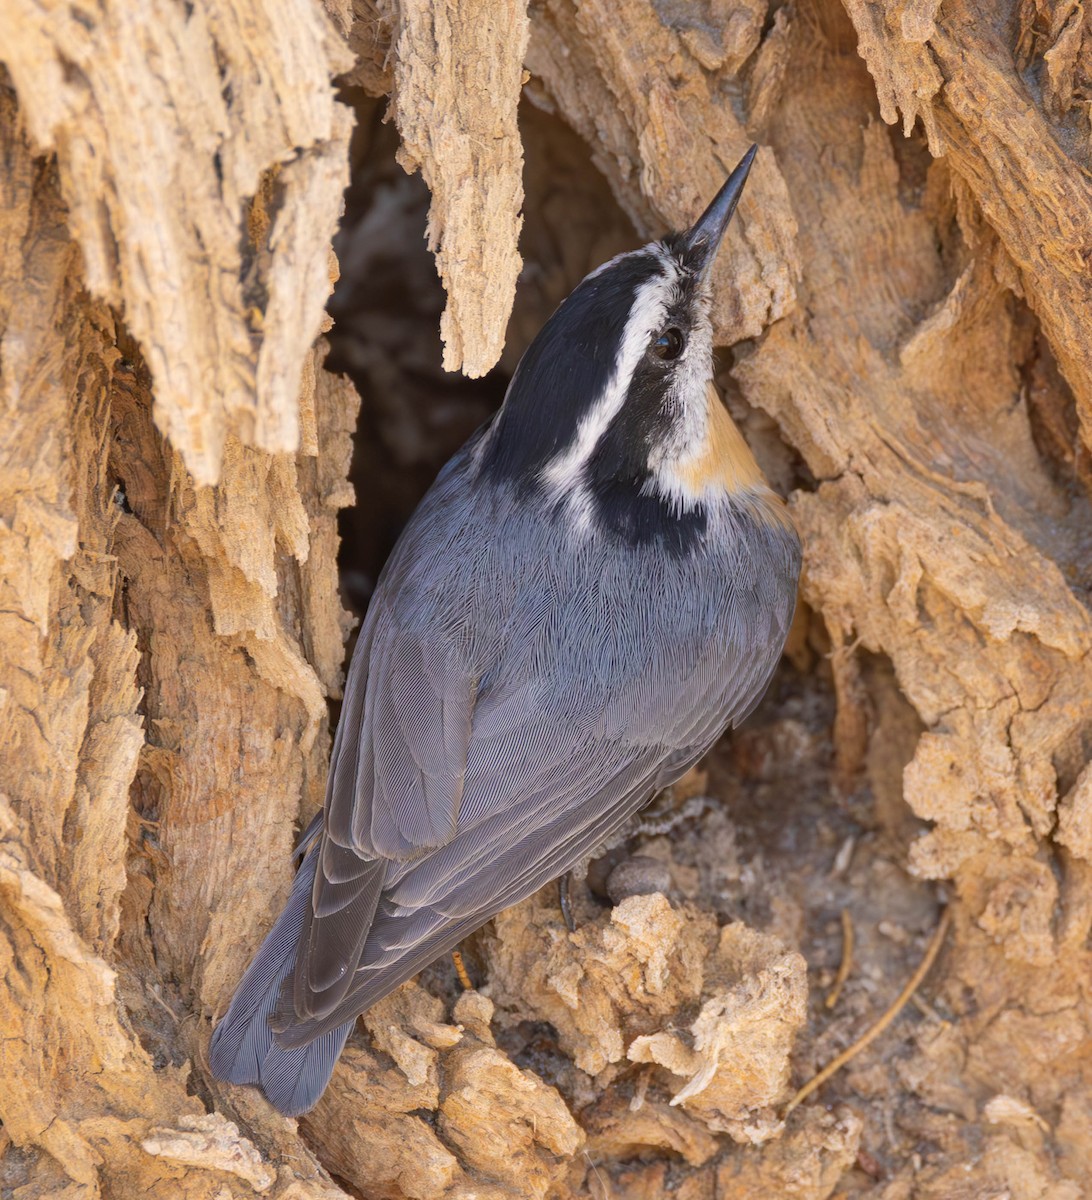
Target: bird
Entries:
(598, 583)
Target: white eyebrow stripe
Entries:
(647, 315)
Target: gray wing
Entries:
(451, 798)
(396, 784)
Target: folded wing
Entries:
(457, 798)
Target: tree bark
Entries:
(906, 318)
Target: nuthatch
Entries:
(597, 584)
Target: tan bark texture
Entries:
(904, 308)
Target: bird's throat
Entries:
(723, 460)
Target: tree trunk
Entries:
(906, 317)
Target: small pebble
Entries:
(638, 876)
(599, 871)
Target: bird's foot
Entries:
(564, 900)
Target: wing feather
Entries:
(404, 940)
(396, 787)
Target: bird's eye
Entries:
(669, 344)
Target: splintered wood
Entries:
(457, 80)
(165, 120)
(164, 682)
(952, 66)
(906, 296)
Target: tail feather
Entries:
(293, 1080)
(243, 1049)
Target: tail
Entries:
(243, 1049)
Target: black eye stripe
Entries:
(566, 368)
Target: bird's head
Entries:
(611, 411)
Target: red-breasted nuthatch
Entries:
(596, 585)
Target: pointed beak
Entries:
(700, 245)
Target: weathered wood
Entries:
(166, 120)
(457, 79)
(151, 769)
